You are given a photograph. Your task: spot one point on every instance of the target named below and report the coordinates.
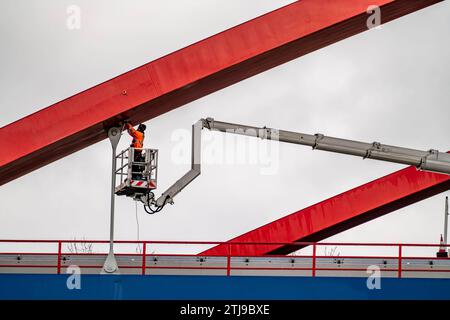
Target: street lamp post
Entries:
(110, 266)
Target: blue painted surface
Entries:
(33, 286)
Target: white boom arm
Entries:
(431, 160)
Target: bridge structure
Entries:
(193, 72)
(409, 270)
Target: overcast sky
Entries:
(389, 85)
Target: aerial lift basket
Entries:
(137, 171)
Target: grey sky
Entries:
(388, 85)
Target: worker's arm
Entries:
(131, 130)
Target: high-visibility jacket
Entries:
(138, 137)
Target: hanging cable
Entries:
(137, 228)
(137, 221)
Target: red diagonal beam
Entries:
(185, 75)
(340, 212)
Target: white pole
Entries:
(110, 265)
(446, 221)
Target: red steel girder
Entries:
(339, 213)
(185, 75)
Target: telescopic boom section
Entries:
(196, 156)
(431, 160)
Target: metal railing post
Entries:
(399, 260)
(144, 250)
(58, 270)
(229, 260)
(314, 260)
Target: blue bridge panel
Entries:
(45, 286)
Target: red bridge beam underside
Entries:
(339, 213)
(185, 75)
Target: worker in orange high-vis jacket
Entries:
(138, 135)
(137, 143)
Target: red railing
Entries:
(314, 256)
